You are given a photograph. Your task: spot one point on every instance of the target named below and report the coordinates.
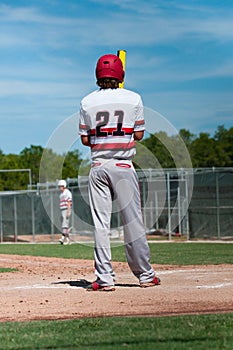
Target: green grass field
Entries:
(214, 331)
(207, 332)
(161, 253)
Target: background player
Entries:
(65, 207)
(111, 119)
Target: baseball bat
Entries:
(122, 55)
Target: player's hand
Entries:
(68, 214)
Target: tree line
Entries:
(204, 151)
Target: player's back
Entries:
(103, 96)
(110, 117)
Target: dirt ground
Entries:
(53, 288)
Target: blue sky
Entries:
(179, 58)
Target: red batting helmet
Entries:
(110, 66)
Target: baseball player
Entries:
(65, 207)
(111, 119)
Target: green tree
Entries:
(51, 166)
(30, 159)
(156, 144)
(169, 151)
(54, 166)
(207, 152)
(224, 138)
(187, 137)
(156, 151)
(71, 164)
(13, 178)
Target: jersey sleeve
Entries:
(69, 198)
(139, 124)
(84, 123)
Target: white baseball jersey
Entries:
(65, 198)
(110, 117)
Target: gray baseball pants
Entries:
(117, 180)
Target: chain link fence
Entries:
(192, 203)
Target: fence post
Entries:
(144, 201)
(15, 219)
(52, 215)
(156, 211)
(217, 205)
(1, 221)
(186, 206)
(169, 206)
(33, 218)
(179, 209)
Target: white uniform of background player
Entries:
(111, 119)
(65, 207)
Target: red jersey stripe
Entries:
(113, 146)
(140, 122)
(84, 126)
(127, 131)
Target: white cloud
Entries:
(127, 28)
(196, 111)
(27, 14)
(48, 57)
(156, 22)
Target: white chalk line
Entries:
(167, 272)
(38, 286)
(170, 272)
(67, 286)
(220, 285)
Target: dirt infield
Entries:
(53, 288)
